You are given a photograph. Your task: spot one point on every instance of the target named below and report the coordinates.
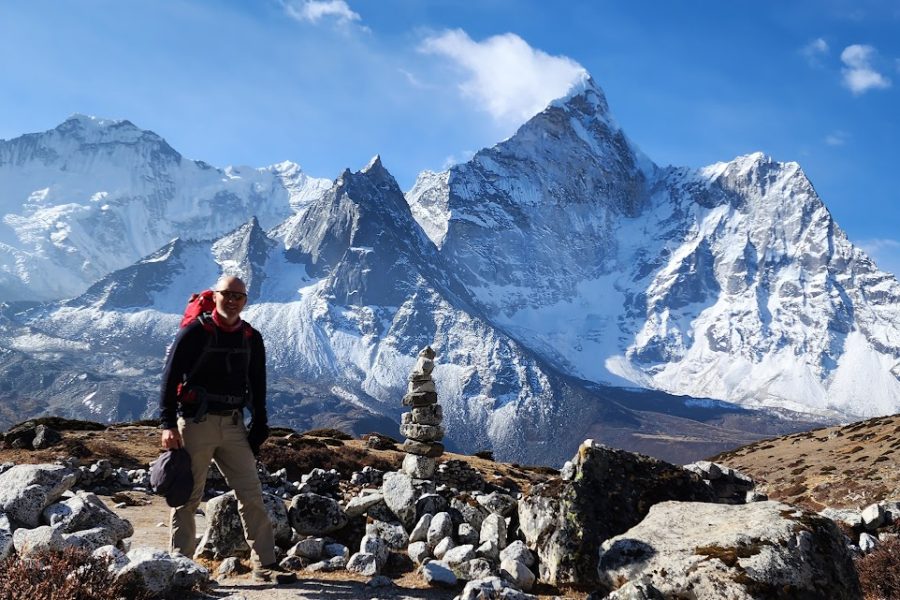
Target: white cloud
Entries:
(885, 253)
(455, 159)
(814, 50)
(314, 11)
(836, 138)
(859, 74)
(504, 75)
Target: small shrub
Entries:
(68, 575)
(301, 459)
(879, 571)
(328, 433)
(485, 454)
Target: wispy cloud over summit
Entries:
(504, 75)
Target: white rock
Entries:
(420, 531)
(374, 545)
(493, 529)
(310, 547)
(867, 542)
(458, 555)
(517, 573)
(443, 546)
(363, 563)
(37, 540)
(418, 552)
(873, 516)
(518, 551)
(441, 527)
(437, 573)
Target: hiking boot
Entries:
(274, 573)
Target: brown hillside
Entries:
(846, 466)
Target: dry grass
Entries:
(846, 466)
(879, 571)
(67, 575)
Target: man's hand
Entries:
(171, 439)
(256, 436)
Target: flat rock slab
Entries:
(758, 550)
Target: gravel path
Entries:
(151, 530)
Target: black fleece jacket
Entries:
(221, 373)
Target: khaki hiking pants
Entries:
(223, 439)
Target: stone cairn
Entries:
(422, 425)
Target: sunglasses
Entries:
(233, 296)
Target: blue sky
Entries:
(328, 84)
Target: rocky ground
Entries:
(602, 494)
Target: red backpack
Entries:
(197, 305)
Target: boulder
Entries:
(476, 568)
(374, 545)
(310, 547)
(472, 512)
(44, 437)
(610, 491)
(86, 511)
(438, 573)
(419, 467)
(392, 532)
(90, 539)
(37, 540)
(6, 536)
(466, 534)
(358, 505)
(418, 552)
(867, 542)
(517, 573)
(160, 572)
(400, 497)
(496, 502)
(492, 587)
(431, 504)
(518, 551)
(25, 490)
(363, 563)
(312, 514)
(442, 547)
(441, 527)
(224, 535)
(458, 555)
(419, 533)
(335, 550)
(873, 516)
(759, 550)
(493, 530)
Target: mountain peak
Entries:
(585, 96)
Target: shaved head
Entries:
(231, 283)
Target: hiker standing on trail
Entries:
(215, 368)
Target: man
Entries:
(216, 366)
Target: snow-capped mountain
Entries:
(553, 273)
(730, 282)
(95, 195)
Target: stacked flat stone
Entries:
(422, 425)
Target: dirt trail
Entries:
(151, 530)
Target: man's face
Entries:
(230, 298)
